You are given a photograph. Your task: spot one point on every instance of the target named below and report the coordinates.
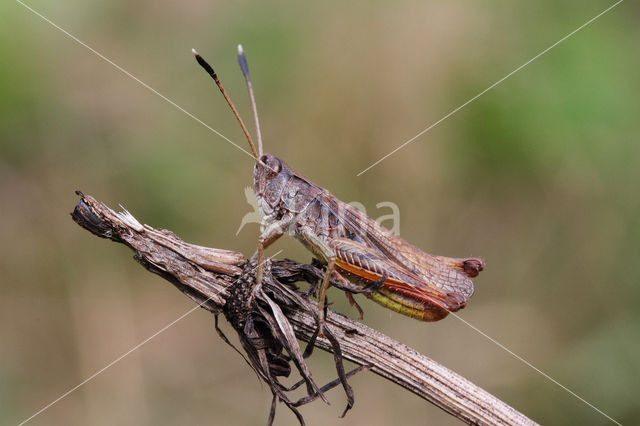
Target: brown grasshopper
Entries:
(361, 256)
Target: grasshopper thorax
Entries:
(280, 190)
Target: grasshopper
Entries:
(361, 256)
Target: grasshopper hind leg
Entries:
(350, 289)
(326, 251)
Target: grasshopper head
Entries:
(270, 175)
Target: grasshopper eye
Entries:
(272, 165)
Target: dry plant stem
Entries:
(205, 274)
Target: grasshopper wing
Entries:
(444, 275)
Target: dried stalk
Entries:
(207, 276)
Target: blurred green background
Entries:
(540, 176)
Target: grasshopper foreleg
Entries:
(270, 234)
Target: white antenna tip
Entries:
(195, 52)
(240, 50)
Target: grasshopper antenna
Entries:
(213, 75)
(242, 60)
